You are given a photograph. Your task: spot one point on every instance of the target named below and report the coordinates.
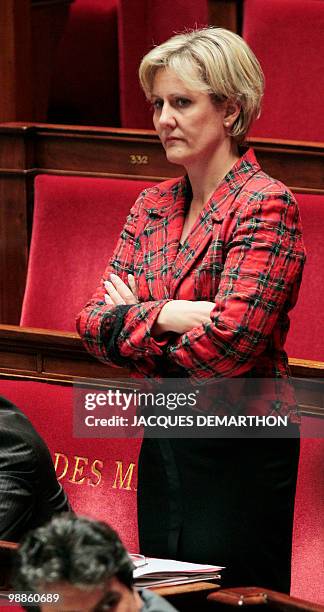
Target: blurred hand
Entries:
(120, 293)
(180, 316)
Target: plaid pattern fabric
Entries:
(245, 253)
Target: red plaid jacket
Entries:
(245, 253)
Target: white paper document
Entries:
(151, 572)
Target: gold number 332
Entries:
(138, 159)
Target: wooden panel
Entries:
(50, 355)
(47, 23)
(15, 61)
(13, 239)
(226, 14)
(254, 596)
(112, 152)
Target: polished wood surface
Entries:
(54, 356)
(256, 596)
(188, 597)
(226, 14)
(28, 148)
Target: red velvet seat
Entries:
(142, 24)
(306, 335)
(287, 37)
(76, 225)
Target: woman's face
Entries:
(189, 124)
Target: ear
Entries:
(232, 111)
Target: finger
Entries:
(114, 295)
(122, 289)
(108, 299)
(132, 284)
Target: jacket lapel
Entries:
(161, 235)
(207, 226)
(166, 262)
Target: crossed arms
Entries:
(259, 282)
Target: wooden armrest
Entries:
(192, 587)
(251, 596)
(5, 545)
(190, 597)
(50, 355)
(56, 356)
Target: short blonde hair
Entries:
(215, 61)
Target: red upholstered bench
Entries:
(287, 37)
(75, 228)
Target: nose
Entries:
(167, 117)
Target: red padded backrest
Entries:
(306, 335)
(76, 225)
(142, 24)
(308, 542)
(287, 37)
(84, 84)
(99, 475)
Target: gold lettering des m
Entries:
(124, 480)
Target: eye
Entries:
(157, 104)
(108, 602)
(183, 102)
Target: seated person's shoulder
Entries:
(20, 442)
(154, 603)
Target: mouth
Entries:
(171, 139)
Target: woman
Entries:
(200, 285)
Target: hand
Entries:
(180, 316)
(118, 292)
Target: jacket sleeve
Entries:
(260, 280)
(121, 334)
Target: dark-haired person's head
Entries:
(80, 560)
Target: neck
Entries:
(206, 174)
